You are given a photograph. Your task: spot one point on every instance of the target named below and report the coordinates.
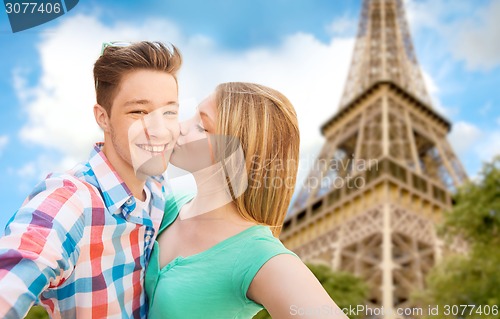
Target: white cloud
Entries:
(429, 14)
(344, 25)
(468, 31)
(430, 84)
(308, 157)
(489, 146)
(470, 142)
(27, 171)
(59, 108)
(486, 108)
(433, 90)
(463, 137)
(436, 14)
(4, 140)
(420, 14)
(30, 173)
(477, 38)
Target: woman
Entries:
(217, 254)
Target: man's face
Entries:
(143, 126)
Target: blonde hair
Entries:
(266, 125)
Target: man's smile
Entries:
(153, 148)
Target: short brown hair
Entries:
(266, 125)
(116, 61)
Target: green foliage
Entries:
(263, 314)
(344, 288)
(37, 312)
(476, 215)
(472, 279)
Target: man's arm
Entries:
(38, 249)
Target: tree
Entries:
(344, 288)
(37, 312)
(476, 214)
(473, 278)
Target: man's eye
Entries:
(140, 112)
(171, 113)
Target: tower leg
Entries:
(387, 264)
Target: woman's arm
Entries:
(288, 289)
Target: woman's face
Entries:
(193, 151)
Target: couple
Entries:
(108, 239)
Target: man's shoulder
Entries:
(62, 197)
(76, 184)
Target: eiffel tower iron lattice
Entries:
(385, 173)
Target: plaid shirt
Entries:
(77, 246)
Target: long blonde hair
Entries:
(266, 125)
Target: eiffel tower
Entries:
(385, 173)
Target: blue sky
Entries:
(302, 48)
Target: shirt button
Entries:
(148, 238)
(129, 201)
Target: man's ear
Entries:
(101, 117)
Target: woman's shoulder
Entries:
(259, 247)
(262, 242)
(263, 236)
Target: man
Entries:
(81, 240)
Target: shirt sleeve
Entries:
(252, 257)
(38, 250)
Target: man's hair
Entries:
(117, 61)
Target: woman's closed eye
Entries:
(201, 129)
(170, 113)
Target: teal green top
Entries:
(213, 283)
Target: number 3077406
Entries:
(32, 7)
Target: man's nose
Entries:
(155, 126)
